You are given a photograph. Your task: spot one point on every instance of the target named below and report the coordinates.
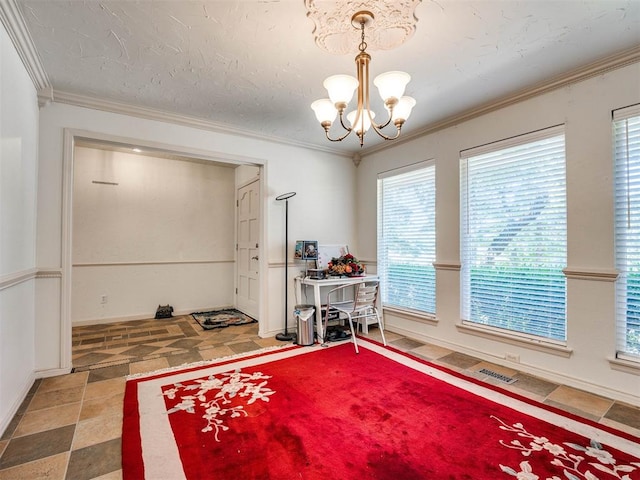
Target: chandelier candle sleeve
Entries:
(340, 88)
(391, 86)
(363, 123)
(325, 111)
(402, 110)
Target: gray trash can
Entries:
(305, 318)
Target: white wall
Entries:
(18, 175)
(324, 207)
(246, 173)
(585, 110)
(163, 234)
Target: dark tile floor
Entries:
(69, 427)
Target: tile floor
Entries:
(69, 427)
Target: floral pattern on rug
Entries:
(576, 462)
(214, 397)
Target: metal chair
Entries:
(362, 306)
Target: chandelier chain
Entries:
(363, 44)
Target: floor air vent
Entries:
(497, 376)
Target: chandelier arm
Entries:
(376, 128)
(339, 139)
(348, 129)
(367, 108)
(382, 125)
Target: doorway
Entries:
(76, 137)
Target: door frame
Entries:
(69, 143)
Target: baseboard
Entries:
(273, 333)
(96, 321)
(4, 422)
(530, 369)
(53, 372)
(142, 316)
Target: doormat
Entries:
(221, 318)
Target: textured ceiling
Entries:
(254, 65)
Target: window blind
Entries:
(406, 237)
(626, 132)
(513, 239)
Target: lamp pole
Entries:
(286, 336)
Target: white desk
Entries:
(327, 282)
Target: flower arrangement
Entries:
(346, 265)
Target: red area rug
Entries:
(327, 413)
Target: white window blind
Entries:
(513, 208)
(626, 130)
(407, 237)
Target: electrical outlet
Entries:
(512, 357)
(104, 299)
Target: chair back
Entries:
(366, 295)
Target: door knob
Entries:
(254, 258)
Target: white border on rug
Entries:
(160, 453)
(135, 376)
(589, 431)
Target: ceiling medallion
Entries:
(395, 23)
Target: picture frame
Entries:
(327, 252)
(310, 250)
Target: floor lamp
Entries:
(286, 336)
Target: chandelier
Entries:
(341, 88)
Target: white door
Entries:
(248, 266)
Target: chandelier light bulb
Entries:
(364, 122)
(391, 84)
(325, 111)
(402, 110)
(341, 88)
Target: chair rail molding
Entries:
(447, 266)
(153, 262)
(12, 279)
(599, 275)
(49, 273)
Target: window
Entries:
(407, 237)
(626, 130)
(513, 208)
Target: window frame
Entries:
(622, 168)
(385, 284)
(465, 276)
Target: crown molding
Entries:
(602, 66)
(46, 95)
(599, 67)
(14, 24)
(13, 21)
